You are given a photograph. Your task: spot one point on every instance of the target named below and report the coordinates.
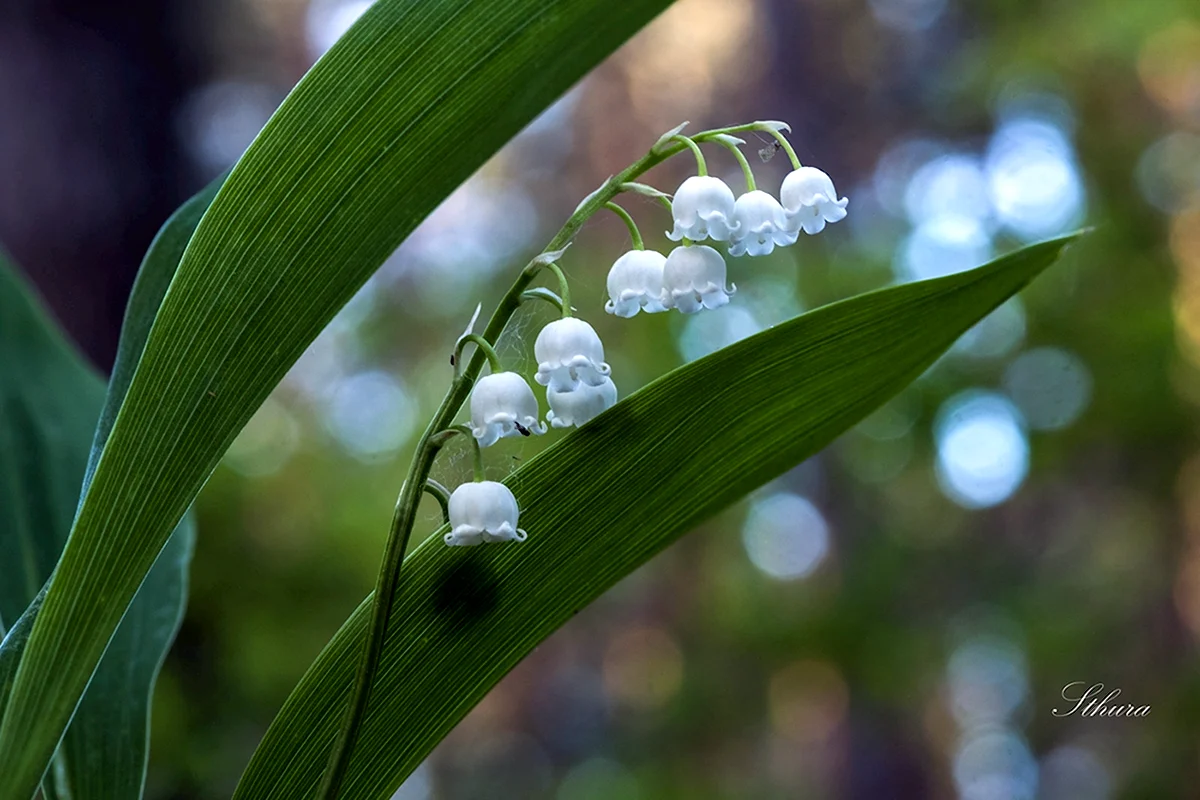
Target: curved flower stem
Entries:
(441, 494)
(542, 293)
(634, 233)
(563, 287)
(701, 166)
(741, 159)
(389, 583)
(476, 450)
(482, 344)
(786, 145)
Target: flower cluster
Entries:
(569, 353)
(571, 366)
(693, 276)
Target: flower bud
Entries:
(810, 200)
(580, 405)
(635, 283)
(702, 208)
(760, 225)
(694, 278)
(569, 352)
(502, 404)
(484, 511)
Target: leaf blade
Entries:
(104, 752)
(49, 401)
(418, 93)
(723, 406)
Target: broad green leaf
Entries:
(411, 101)
(103, 754)
(49, 401)
(600, 502)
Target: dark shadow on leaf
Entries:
(466, 590)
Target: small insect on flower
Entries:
(694, 278)
(569, 353)
(502, 404)
(810, 200)
(580, 405)
(635, 283)
(484, 511)
(702, 208)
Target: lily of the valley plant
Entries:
(570, 356)
(242, 279)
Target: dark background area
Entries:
(895, 618)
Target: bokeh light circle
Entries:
(370, 415)
(785, 536)
(1050, 386)
(1034, 183)
(982, 450)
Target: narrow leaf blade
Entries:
(104, 752)
(406, 106)
(601, 502)
(49, 401)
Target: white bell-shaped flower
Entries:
(810, 200)
(635, 283)
(702, 208)
(502, 404)
(694, 278)
(760, 225)
(484, 511)
(578, 406)
(568, 353)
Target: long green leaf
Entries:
(49, 401)
(398, 113)
(103, 754)
(601, 502)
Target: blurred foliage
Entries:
(924, 627)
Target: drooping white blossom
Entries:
(760, 225)
(694, 278)
(635, 283)
(810, 200)
(502, 404)
(702, 208)
(577, 406)
(484, 511)
(569, 353)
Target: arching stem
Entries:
(545, 295)
(563, 287)
(786, 145)
(484, 345)
(730, 143)
(701, 166)
(634, 233)
(441, 494)
(476, 450)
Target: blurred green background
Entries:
(897, 617)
